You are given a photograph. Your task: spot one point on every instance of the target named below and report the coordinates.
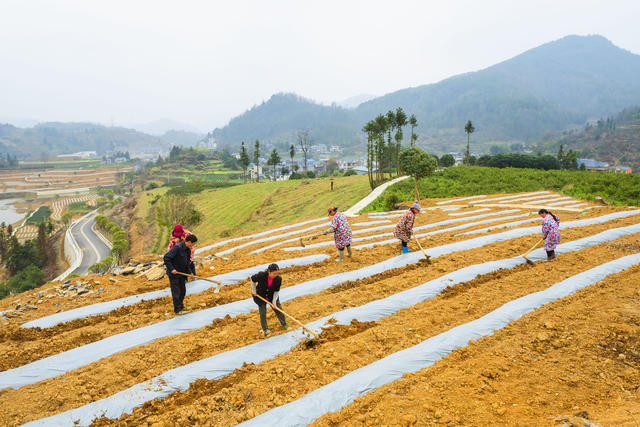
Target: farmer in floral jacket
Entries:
(179, 235)
(550, 232)
(341, 232)
(404, 228)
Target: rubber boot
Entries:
(405, 249)
(349, 251)
(340, 255)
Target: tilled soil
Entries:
(341, 349)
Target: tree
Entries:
(42, 242)
(400, 121)
(173, 209)
(447, 160)
(370, 130)
(274, 160)
(244, 161)
(292, 152)
(469, 129)
(560, 156)
(414, 124)
(391, 125)
(332, 166)
(305, 142)
(23, 255)
(256, 159)
(417, 163)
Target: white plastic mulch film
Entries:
(195, 287)
(222, 364)
(60, 363)
(344, 390)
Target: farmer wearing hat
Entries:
(404, 228)
(341, 232)
(179, 235)
(267, 285)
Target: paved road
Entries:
(92, 247)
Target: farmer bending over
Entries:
(341, 232)
(178, 260)
(550, 232)
(404, 228)
(267, 285)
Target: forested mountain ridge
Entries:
(552, 87)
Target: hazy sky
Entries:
(203, 62)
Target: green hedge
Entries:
(117, 236)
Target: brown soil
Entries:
(340, 349)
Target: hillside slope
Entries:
(554, 86)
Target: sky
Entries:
(204, 62)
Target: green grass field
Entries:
(245, 208)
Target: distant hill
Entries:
(50, 139)
(355, 101)
(555, 86)
(615, 140)
(162, 126)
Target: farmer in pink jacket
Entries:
(341, 232)
(550, 232)
(404, 228)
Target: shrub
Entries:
(350, 172)
(311, 174)
(296, 175)
(29, 278)
(4, 291)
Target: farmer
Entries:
(267, 285)
(550, 232)
(341, 232)
(178, 235)
(178, 260)
(404, 228)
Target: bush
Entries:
(310, 174)
(151, 186)
(390, 201)
(4, 291)
(29, 278)
(102, 266)
(296, 175)
(350, 172)
(22, 256)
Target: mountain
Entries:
(162, 126)
(556, 86)
(615, 140)
(50, 139)
(182, 137)
(355, 101)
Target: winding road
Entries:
(92, 247)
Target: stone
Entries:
(155, 273)
(138, 269)
(31, 307)
(72, 288)
(66, 284)
(78, 283)
(39, 301)
(18, 306)
(100, 289)
(127, 270)
(112, 280)
(82, 291)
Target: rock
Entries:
(31, 307)
(82, 291)
(72, 288)
(138, 269)
(542, 336)
(602, 201)
(100, 289)
(127, 270)
(300, 372)
(116, 270)
(155, 273)
(66, 282)
(40, 294)
(79, 283)
(39, 301)
(112, 280)
(18, 306)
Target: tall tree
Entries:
(381, 125)
(256, 159)
(244, 161)
(292, 153)
(401, 120)
(561, 153)
(274, 159)
(42, 242)
(369, 129)
(414, 124)
(391, 125)
(468, 128)
(305, 142)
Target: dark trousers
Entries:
(178, 291)
(404, 243)
(262, 308)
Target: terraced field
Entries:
(475, 336)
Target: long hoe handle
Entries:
(425, 254)
(288, 315)
(198, 277)
(524, 255)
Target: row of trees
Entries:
(384, 143)
(8, 161)
(118, 237)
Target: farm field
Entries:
(575, 353)
(242, 209)
(51, 180)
